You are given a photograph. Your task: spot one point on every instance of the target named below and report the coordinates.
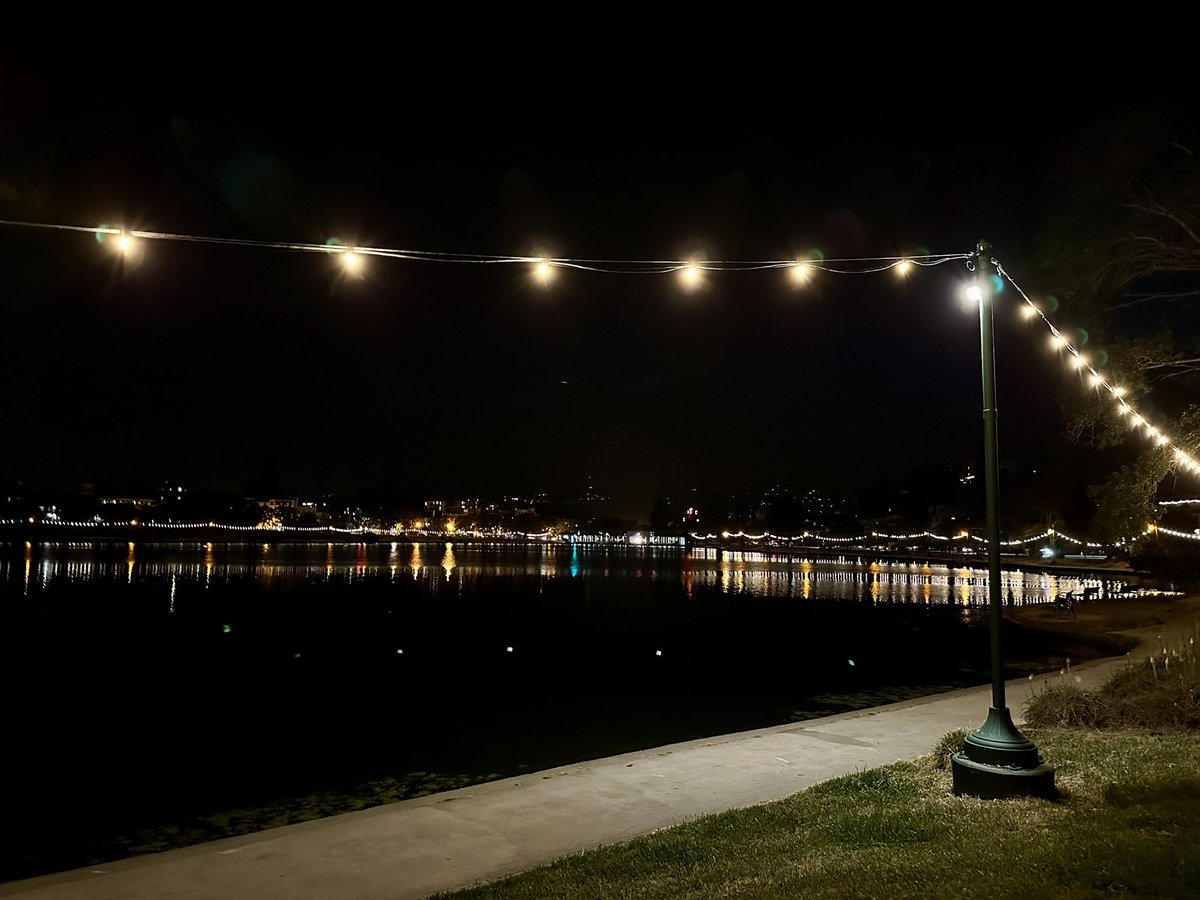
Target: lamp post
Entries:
(996, 760)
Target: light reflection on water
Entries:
(339, 664)
(755, 573)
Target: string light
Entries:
(568, 537)
(871, 540)
(690, 271)
(1158, 529)
(352, 261)
(690, 277)
(543, 272)
(1184, 459)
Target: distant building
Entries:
(136, 502)
(279, 503)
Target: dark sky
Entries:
(202, 361)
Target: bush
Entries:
(1064, 704)
(1160, 692)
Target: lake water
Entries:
(152, 681)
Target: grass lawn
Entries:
(1127, 823)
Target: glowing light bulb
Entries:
(690, 276)
(1029, 310)
(974, 294)
(903, 267)
(800, 273)
(352, 260)
(125, 243)
(1057, 341)
(543, 272)
(1078, 360)
(1119, 392)
(1094, 380)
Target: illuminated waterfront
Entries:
(160, 681)
(436, 564)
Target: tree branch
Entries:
(1146, 298)
(1158, 210)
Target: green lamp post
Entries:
(996, 760)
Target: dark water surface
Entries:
(148, 683)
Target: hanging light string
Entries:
(865, 540)
(1097, 380)
(873, 538)
(845, 266)
(1158, 529)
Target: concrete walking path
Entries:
(453, 839)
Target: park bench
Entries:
(1064, 603)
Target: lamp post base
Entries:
(998, 761)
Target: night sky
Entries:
(200, 362)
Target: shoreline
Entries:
(16, 537)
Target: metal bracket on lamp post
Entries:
(996, 760)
